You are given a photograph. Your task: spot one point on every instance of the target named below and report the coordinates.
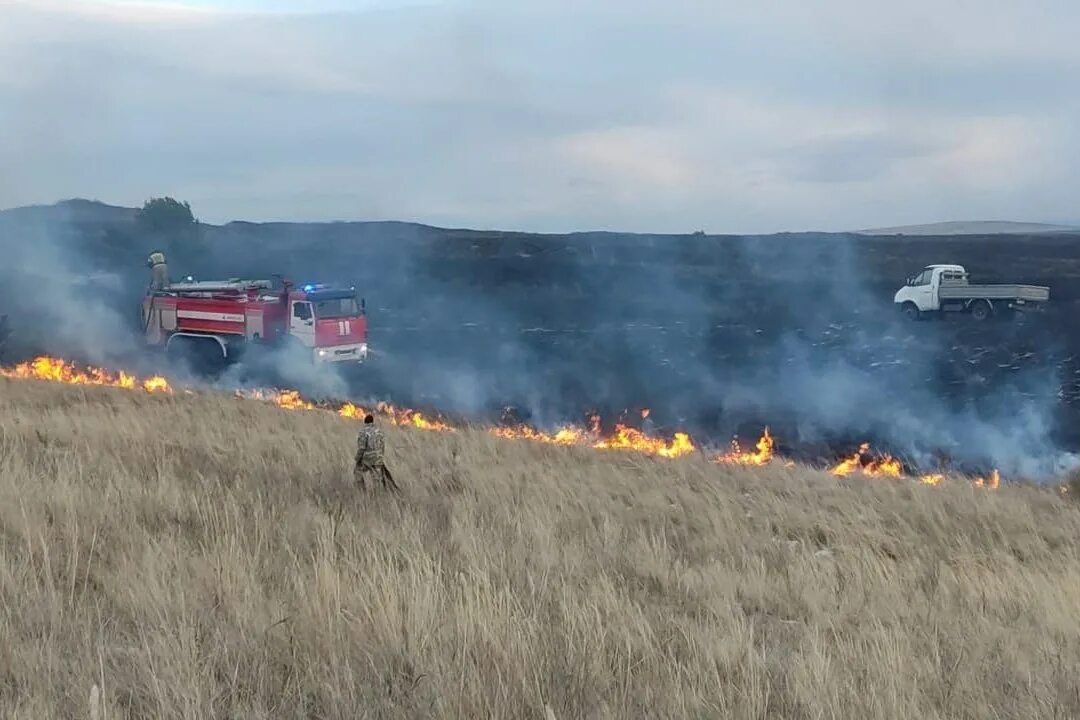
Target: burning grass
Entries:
(622, 437)
(60, 371)
(195, 556)
(762, 455)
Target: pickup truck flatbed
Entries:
(1028, 293)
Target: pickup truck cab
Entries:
(945, 288)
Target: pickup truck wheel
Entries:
(981, 309)
(911, 311)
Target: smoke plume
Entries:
(716, 335)
(57, 299)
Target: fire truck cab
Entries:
(223, 318)
(331, 322)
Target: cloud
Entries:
(549, 116)
(651, 157)
(850, 157)
(116, 11)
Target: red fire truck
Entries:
(327, 324)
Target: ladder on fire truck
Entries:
(205, 288)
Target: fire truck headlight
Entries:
(322, 353)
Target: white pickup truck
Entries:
(945, 288)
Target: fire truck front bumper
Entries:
(342, 353)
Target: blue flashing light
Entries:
(309, 288)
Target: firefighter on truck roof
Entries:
(159, 270)
(371, 457)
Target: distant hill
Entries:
(84, 212)
(978, 227)
(91, 213)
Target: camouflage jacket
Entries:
(370, 447)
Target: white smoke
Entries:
(54, 300)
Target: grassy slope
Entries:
(204, 557)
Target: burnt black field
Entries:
(717, 335)
(707, 333)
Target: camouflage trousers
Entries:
(369, 473)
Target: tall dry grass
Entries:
(207, 558)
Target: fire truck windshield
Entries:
(337, 308)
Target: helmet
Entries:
(156, 258)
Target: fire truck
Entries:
(224, 318)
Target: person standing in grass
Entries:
(371, 457)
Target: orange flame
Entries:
(993, 482)
(156, 384)
(624, 437)
(291, 400)
(348, 410)
(396, 416)
(404, 417)
(565, 436)
(288, 399)
(55, 370)
(885, 465)
(763, 454)
(628, 438)
(849, 465)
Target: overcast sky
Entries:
(549, 115)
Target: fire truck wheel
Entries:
(204, 355)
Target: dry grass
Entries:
(206, 557)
